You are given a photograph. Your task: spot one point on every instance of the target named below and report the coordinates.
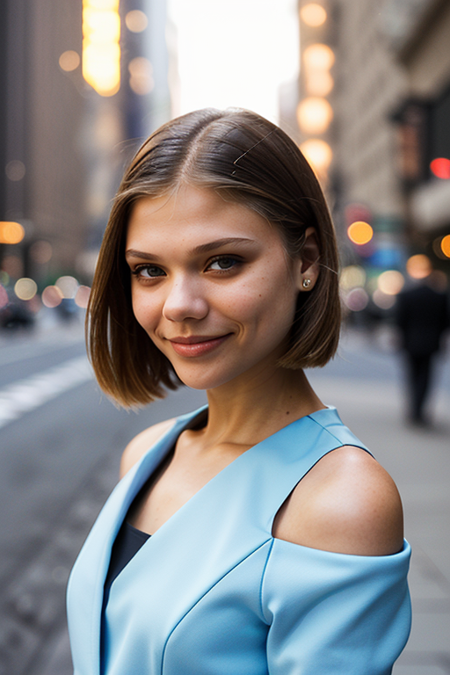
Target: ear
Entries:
(308, 262)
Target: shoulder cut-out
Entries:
(141, 443)
(347, 503)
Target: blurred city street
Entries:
(363, 89)
(60, 443)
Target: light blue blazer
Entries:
(213, 593)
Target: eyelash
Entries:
(137, 270)
(218, 258)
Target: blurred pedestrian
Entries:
(422, 314)
(256, 534)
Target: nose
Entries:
(185, 300)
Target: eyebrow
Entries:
(203, 248)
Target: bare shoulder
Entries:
(141, 443)
(347, 503)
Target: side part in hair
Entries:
(246, 159)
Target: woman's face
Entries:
(211, 285)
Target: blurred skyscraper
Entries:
(385, 118)
(63, 138)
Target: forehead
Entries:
(195, 213)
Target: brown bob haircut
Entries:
(245, 159)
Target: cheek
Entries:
(268, 299)
(144, 311)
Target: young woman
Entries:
(256, 535)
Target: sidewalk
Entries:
(419, 461)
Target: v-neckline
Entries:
(170, 449)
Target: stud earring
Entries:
(306, 283)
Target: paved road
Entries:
(60, 445)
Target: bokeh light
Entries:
(141, 75)
(314, 115)
(418, 266)
(13, 266)
(82, 296)
(69, 60)
(356, 300)
(441, 167)
(391, 282)
(352, 276)
(52, 296)
(15, 170)
(318, 57)
(445, 245)
(383, 300)
(101, 45)
(11, 233)
(319, 83)
(68, 286)
(3, 297)
(25, 288)
(318, 153)
(136, 21)
(41, 252)
(313, 14)
(360, 232)
(4, 278)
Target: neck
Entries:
(247, 413)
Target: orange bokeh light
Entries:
(318, 153)
(11, 233)
(69, 60)
(441, 167)
(313, 14)
(318, 57)
(418, 266)
(445, 246)
(360, 232)
(319, 83)
(314, 115)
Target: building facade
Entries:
(386, 113)
(64, 140)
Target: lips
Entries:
(197, 345)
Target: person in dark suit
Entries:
(422, 317)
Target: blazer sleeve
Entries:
(334, 614)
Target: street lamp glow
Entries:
(25, 288)
(69, 60)
(11, 233)
(318, 82)
(360, 232)
(391, 282)
(445, 246)
(313, 14)
(318, 57)
(314, 115)
(136, 21)
(318, 153)
(418, 266)
(101, 48)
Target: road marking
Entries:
(25, 395)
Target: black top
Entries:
(128, 542)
